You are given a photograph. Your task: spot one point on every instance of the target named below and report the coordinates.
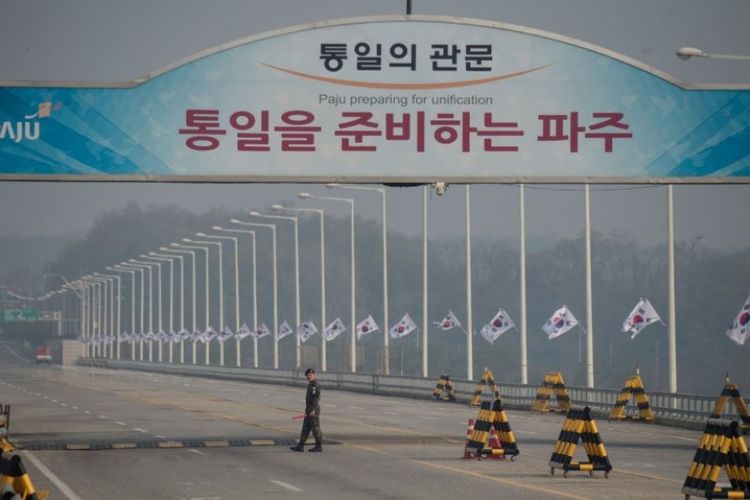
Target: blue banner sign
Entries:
(383, 99)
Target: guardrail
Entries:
(682, 410)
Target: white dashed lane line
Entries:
(286, 485)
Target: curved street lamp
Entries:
(255, 292)
(686, 53)
(321, 213)
(272, 227)
(384, 222)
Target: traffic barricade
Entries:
(486, 382)
(491, 436)
(13, 473)
(444, 389)
(732, 393)
(579, 425)
(553, 383)
(722, 447)
(633, 389)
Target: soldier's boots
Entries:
(299, 447)
(317, 447)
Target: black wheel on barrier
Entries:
(606, 475)
(565, 474)
(552, 470)
(513, 458)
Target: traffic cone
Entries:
(469, 432)
(494, 450)
(494, 441)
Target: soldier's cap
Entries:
(309, 371)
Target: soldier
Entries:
(312, 414)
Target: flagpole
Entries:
(522, 251)
(425, 294)
(672, 335)
(589, 308)
(469, 340)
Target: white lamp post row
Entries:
(100, 318)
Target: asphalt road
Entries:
(379, 447)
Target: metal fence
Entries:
(683, 410)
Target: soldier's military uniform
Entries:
(312, 418)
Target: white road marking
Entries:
(428, 417)
(159, 436)
(120, 423)
(64, 488)
(517, 431)
(140, 430)
(199, 452)
(87, 412)
(206, 498)
(53, 400)
(390, 413)
(692, 440)
(356, 408)
(286, 485)
(74, 407)
(104, 417)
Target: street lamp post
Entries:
(234, 239)
(296, 273)
(152, 256)
(469, 301)
(182, 296)
(158, 308)
(386, 354)
(207, 245)
(323, 361)
(160, 323)
(220, 249)
(85, 311)
(96, 314)
(208, 309)
(123, 267)
(353, 320)
(275, 288)
(144, 268)
(192, 310)
(425, 282)
(119, 303)
(116, 269)
(255, 292)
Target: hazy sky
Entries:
(109, 40)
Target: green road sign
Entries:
(20, 314)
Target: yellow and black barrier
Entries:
(444, 389)
(492, 436)
(732, 393)
(721, 447)
(4, 419)
(6, 446)
(579, 425)
(13, 473)
(553, 383)
(633, 388)
(487, 382)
